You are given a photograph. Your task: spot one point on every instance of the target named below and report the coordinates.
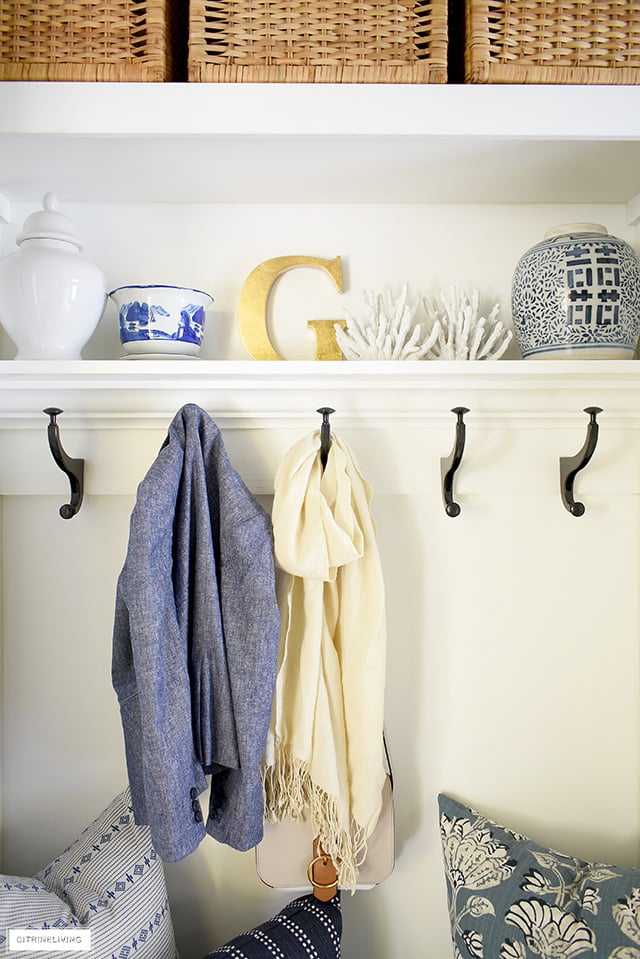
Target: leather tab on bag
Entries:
(322, 874)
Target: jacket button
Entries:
(193, 793)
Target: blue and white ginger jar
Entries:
(576, 295)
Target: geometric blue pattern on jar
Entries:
(593, 281)
(577, 294)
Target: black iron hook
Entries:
(571, 465)
(74, 468)
(325, 434)
(449, 465)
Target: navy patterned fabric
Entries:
(305, 929)
(511, 898)
(110, 881)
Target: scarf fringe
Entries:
(290, 793)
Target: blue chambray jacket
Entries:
(195, 644)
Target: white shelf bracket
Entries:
(633, 210)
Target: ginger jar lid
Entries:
(569, 229)
(49, 224)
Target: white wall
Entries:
(513, 629)
(214, 247)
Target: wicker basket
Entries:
(565, 41)
(315, 41)
(83, 40)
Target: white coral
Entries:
(387, 331)
(462, 334)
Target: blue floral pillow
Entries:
(305, 929)
(510, 898)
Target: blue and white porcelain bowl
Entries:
(161, 320)
(576, 295)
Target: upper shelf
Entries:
(311, 143)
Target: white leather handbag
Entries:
(289, 858)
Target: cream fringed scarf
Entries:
(324, 754)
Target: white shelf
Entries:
(251, 394)
(396, 415)
(312, 143)
(322, 109)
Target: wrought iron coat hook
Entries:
(325, 434)
(74, 468)
(571, 465)
(449, 465)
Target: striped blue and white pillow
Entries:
(110, 881)
(305, 929)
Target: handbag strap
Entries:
(322, 874)
(388, 759)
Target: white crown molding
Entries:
(253, 394)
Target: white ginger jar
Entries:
(51, 298)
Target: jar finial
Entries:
(49, 224)
(50, 202)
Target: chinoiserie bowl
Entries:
(160, 320)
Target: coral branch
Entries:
(462, 334)
(387, 331)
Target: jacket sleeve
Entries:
(150, 677)
(251, 628)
